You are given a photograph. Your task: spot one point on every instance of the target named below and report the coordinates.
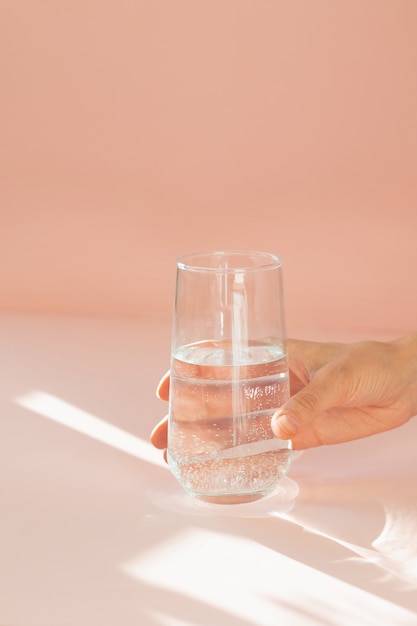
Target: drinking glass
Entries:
(229, 374)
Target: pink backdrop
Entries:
(134, 132)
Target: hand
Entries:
(340, 392)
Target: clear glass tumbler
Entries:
(229, 374)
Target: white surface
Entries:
(95, 531)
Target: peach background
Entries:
(136, 131)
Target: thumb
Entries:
(303, 407)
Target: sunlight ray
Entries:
(283, 590)
(83, 422)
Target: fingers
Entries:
(306, 357)
(314, 388)
(320, 395)
(159, 434)
(162, 391)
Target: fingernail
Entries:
(286, 424)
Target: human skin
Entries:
(339, 391)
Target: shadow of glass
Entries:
(389, 545)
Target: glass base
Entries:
(232, 499)
(170, 496)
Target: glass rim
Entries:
(190, 261)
